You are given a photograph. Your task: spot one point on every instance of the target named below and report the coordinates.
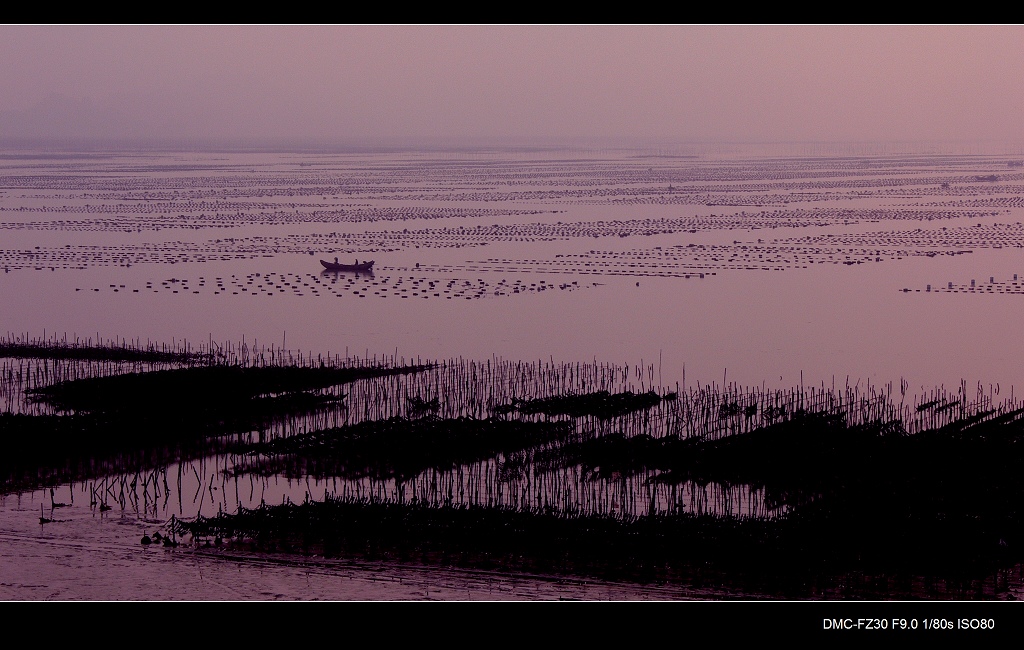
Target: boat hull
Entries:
(331, 266)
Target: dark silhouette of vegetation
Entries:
(856, 488)
(795, 556)
(64, 350)
(402, 448)
(867, 499)
(211, 390)
(600, 404)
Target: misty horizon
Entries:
(467, 85)
(511, 145)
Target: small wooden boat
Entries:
(358, 266)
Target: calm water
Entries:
(768, 271)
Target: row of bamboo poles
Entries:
(478, 389)
(474, 389)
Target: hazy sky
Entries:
(706, 82)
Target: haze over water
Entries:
(454, 99)
(763, 270)
(766, 206)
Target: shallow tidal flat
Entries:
(581, 471)
(767, 363)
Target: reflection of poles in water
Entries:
(199, 481)
(180, 502)
(469, 388)
(202, 496)
(167, 489)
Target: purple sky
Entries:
(739, 83)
